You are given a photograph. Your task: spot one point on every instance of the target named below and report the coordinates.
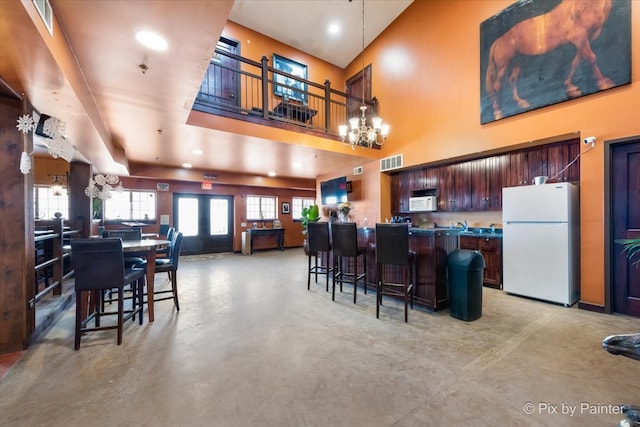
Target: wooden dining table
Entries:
(144, 248)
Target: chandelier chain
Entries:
(360, 133)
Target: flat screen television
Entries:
(333, 191)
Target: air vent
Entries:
(358, 170)
(390, 163)
(46, 13)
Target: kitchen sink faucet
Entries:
(464, 225)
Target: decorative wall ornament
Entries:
(57, 146)
(26, 123)
(101, 186)
(25, 163)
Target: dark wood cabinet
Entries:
(431, 178)
(486, 184)
(400, 192)
(446, 188)
(558, 157)
(476, 185)
(462, 186)
(491, 250)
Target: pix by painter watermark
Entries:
(568, 409)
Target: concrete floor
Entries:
(252, 347)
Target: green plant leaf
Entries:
(631, 247)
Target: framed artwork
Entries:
(289, 88)
(285, 208)
(537, 53)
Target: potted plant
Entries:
(309, 214)
(632, 248)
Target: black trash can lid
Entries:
(466, 259)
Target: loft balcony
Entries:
(240, 88)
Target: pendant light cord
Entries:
(363, 74)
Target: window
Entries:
(261, 207)
(130, 205)
(46, 204)
(297, 204)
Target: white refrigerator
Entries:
(541, 242)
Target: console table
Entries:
(295, 112)
(258, 232)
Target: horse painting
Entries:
(569, 28)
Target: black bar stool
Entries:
(344, 240)
(392, 248)
(319, 245)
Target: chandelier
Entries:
(360, 134)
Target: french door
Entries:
(205, 221)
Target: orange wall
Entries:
(365, 196)
(426, 74)
(255, 45)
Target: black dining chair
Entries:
(129, 234)
(170, 266)
(344, 242)
(392, 249)
(164, 252)
(319, 243)
(99, 267)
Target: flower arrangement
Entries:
(344, 208)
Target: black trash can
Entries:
(465, 284)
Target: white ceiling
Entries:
(91, 80)
(303, 24)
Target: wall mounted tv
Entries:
(333, 191)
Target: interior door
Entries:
(205, 221)
(625, 219)
(220, 84)
(358, 86)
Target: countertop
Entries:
(473, 232)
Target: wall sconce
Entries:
(57, 186)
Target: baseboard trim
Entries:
(591, 307)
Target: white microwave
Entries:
(423, 204)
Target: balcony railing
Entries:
(241, 88)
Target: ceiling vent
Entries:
(390, 163)
(358, 170)
(46, 13)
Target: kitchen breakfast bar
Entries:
(432, 248)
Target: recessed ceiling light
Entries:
(152, 40)
(333, 29)
(197, 152)
(187, 165)
(272, 173)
